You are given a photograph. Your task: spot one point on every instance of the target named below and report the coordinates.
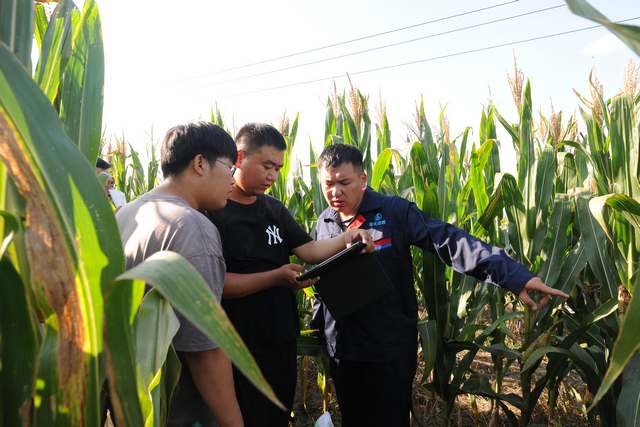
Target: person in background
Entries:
(197, 162)
(259, 234)
(373, 350)
(117, 197)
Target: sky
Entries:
(171, 63)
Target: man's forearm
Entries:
(239, 285)
(212, 373)
(317, 251)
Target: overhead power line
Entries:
(379, 47)
(346, 42)
(424, 60)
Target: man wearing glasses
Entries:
(197, 163)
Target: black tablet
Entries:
(334, 261)
(349, 281)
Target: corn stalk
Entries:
(68, 312)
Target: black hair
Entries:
(102, 164)
(184, 142)
(338, 154)
(253, 136)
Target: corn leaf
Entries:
(596, 245)
(154, 325)
(138, 171)
(434, 289)
(169, 273)
(479, 385)
(501, 350)
(591, 336)
(18, 355)
(571, 268)
(516, 212)
(629, 34)
(627, 344)
(478, 163)
(443, 193)
(81, 98)
(489, 330)
(418, 167)
(545, 178)
(555, 243)
(510, 129)
(41, 23)
(556, 360)
(526, 165)
(171, 370)
(350, 131)
(121, 302)
(626, 206)
(16, 28)
(10, 227)
(364, 142)
(59, 184)
(581, 359)
(279, 188)
(15, 204)
(624, 141)
(628, 407)
(384, 134)
(426, 139)
(380, 168)
(568, 176)
(494, 208)
(429, 339)
(319, 202)
(589, 158)
(56, 49)
(329, 122)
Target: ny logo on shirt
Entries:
(274, 234)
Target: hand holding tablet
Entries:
(334, 261)
(349, 280)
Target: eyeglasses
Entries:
(232, 167)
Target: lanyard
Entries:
(357, 222)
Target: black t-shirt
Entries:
(256, 238)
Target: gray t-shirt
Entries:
(155, 223)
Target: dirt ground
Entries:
(428, 409)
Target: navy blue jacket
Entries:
(386, 329)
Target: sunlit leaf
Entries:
(169, 273)
(83, 85)
(629, 34)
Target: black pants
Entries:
(374, 393)
(278, 365)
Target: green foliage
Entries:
(549, 228)
(585, 243)
(61, 250)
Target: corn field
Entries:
(571, 214)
